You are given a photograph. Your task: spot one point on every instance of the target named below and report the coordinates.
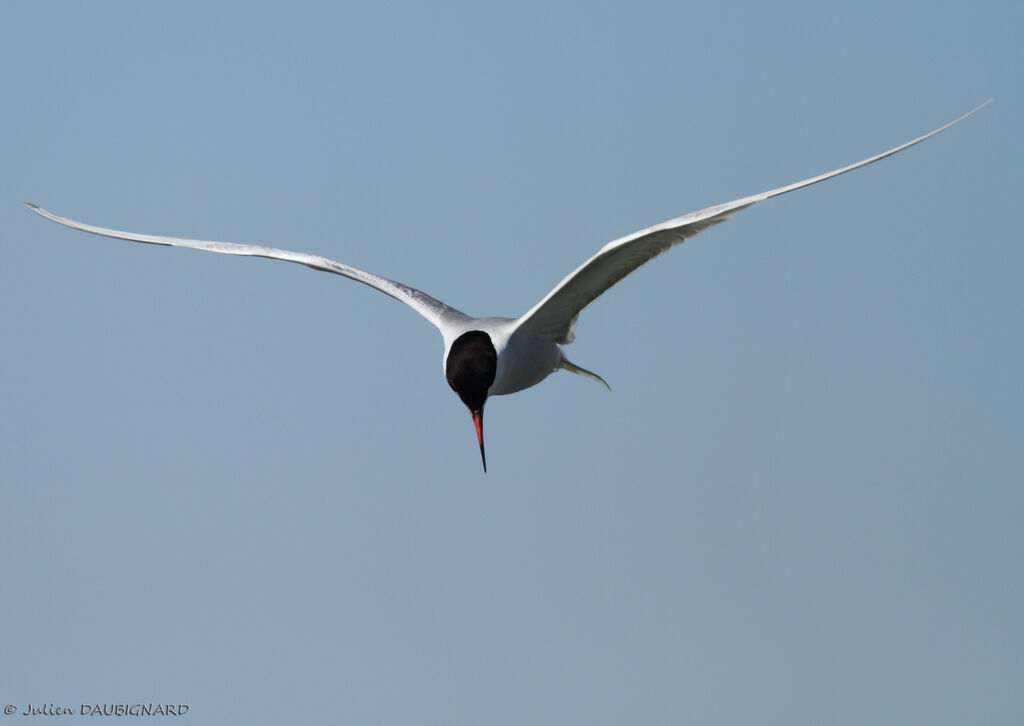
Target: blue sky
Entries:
(245, 486)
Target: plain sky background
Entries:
(244, 486)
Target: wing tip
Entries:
(43, 213)
(975, 109)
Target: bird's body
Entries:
(486, 357)
(523, 361)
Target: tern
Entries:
(486, 357)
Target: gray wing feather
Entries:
(433, 310)
(554, 317)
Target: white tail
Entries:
(573, 368)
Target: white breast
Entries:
(523, 361)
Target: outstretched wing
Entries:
(433, 310)
(554, 317)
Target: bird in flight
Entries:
(486, 357)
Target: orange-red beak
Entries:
(478, 421)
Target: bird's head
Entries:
(470, 369)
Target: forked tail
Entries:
(573, 368)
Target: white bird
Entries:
(486, 357)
